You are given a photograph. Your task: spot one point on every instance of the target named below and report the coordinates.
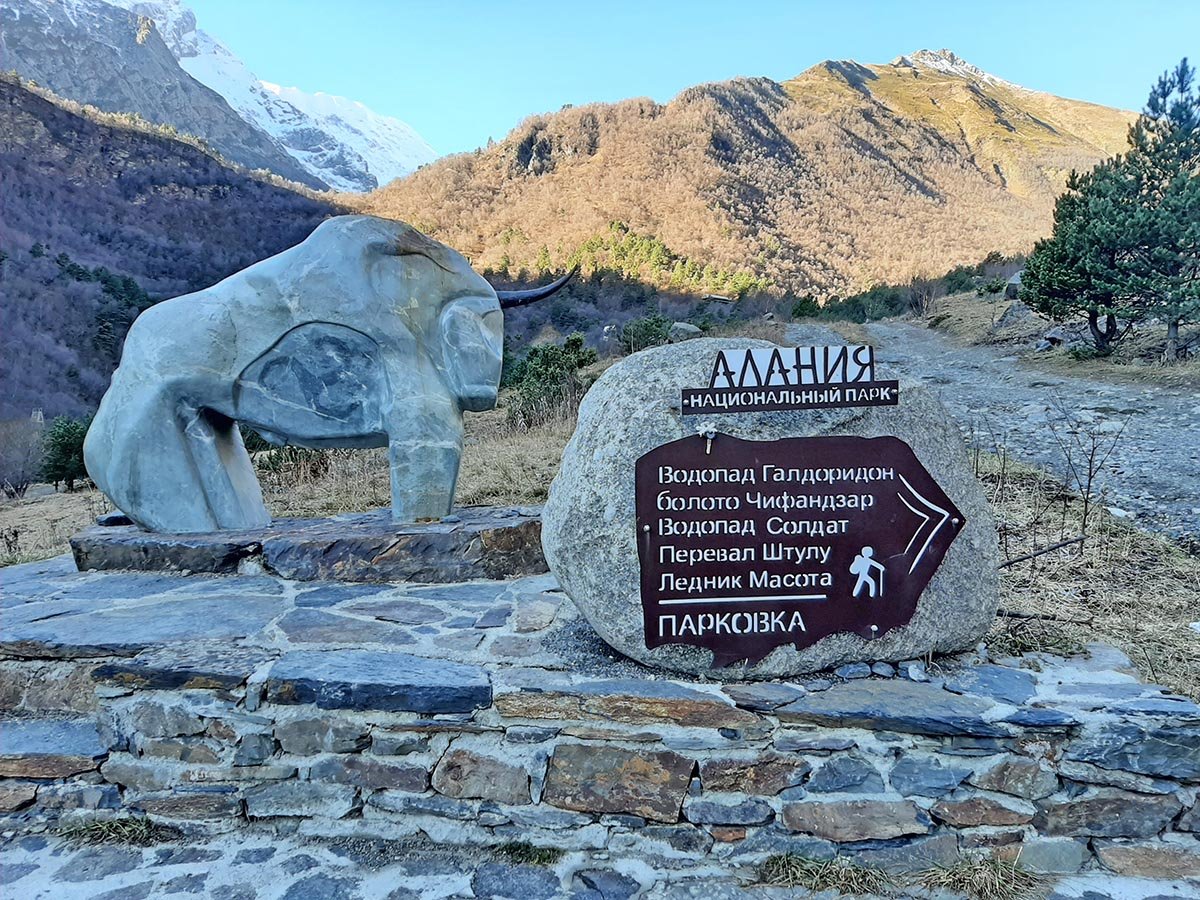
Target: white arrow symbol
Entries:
(926, 519)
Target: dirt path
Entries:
(1153, 473)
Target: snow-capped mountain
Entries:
(391, 147)
(948, 63)
(96, 53)
(340, 141)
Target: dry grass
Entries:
(131, 830)
(525, 853)
(501, 465)
(507, 466)
(1123, 586)
(311, 483)
(759, 329)
(972, 318)
(1136, 358)
(851, 332)
(836, 874)
(985, 878)
(39, 525)
(1135, 361)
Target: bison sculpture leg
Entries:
(425, 440)
(169, 466)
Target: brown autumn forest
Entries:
(841, 178)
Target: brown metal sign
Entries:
(749, 545)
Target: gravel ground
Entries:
(1153, 472)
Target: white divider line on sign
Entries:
(743, 599)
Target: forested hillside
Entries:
(846, 176)
(100, 218)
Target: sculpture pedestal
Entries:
(473, 543)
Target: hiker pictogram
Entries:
(863, 566)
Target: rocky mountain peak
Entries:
(947, 62)
(176, 23)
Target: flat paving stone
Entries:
(49, 608)
(127, 629)
(48, 748)
(483, 593)
(294, 865)
(895, 705)
(1014, 686)
(16, 592)
(329, 593)
(186, 666)
(139, 891)
(317, 626)
(184, 884)
(15, 872)
(120, 585)
(460, 641)
(399, 610)
(94, 863)
(364, 679)
(183, 856)
(25, 575)
(253, 856)
(525, 882)
(323, 887)
(494, 617)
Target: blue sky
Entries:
(461, 72)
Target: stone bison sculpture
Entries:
(367, 334)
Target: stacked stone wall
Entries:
(1066, 765)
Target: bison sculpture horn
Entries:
(509, 299)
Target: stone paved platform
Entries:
(38, 867)
(471, 715)
(475, 542)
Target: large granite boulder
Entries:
(589, 521)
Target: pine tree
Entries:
(1074, 271)
(1126, 238)
(1162, 267)
(63, 447)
